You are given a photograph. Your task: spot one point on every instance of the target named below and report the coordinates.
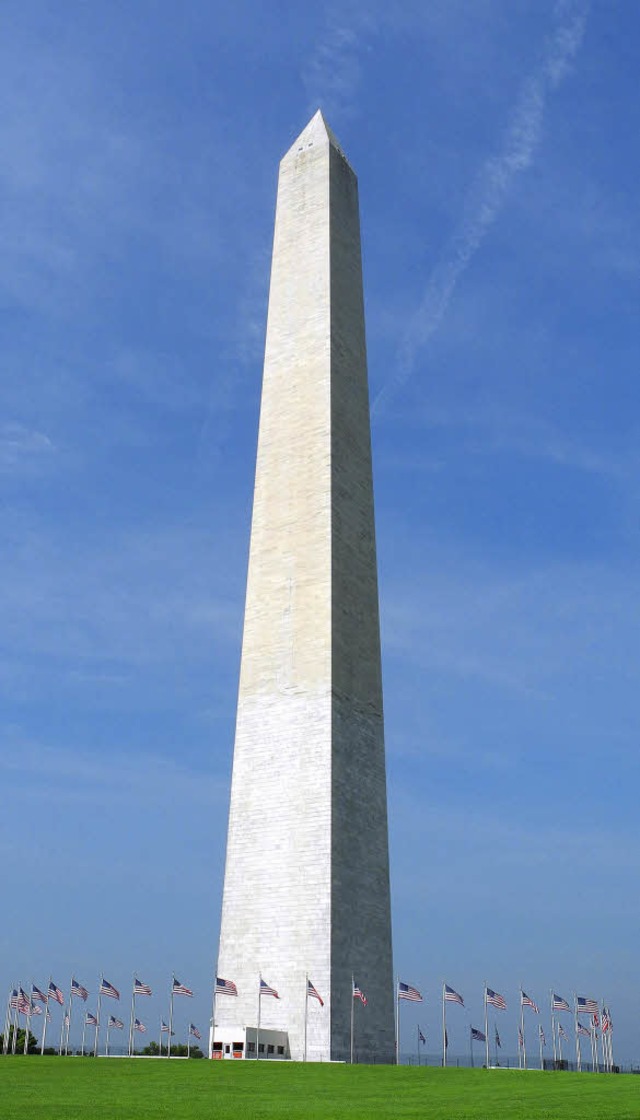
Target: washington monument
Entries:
(306, 890)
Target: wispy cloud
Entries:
(333, 74)
(23, 450)
(491, 188)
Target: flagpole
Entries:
(171, 1017)
(16, 1021)
(160, 1043)
(133, 1011)
(7, 1019)
(444, 1029)
(46, 1016)
(418, 1041)
(524, 1046)
(471, 1045)
(189, 1041)
(353, 984)
(540, 1041)
(306, 1010)
(578, 1048)
(64, 1019)
(553, 1027)
(84, 1027)
(559, 1040)
(212, 1032)
(106, 1048)
(66, 1048)
(397, 1019)
(486, 1023)
(259, 1012)
(98, 1010)
(27, 1022)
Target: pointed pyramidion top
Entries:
(316, 132)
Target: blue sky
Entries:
(497, 151)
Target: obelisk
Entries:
(306, 890)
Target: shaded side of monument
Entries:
(306, 890)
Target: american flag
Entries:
(13, 1002)
(138, 1026)
(520, 1038)
(541, 1033)
(452, 996)
(421, 1037)
(559, 1004)
(35, 1010)
(584, 1030)
(562, 1032)
(24, 1003)
(596, 1020)
(180, 989)
(359, 994)
(194, 1031)
(107, 989)
(37, 994)
(311, 991)
(498, 1042)
(91, 1020)
(405, 991)
(528, 1002)
(140, 989)
(265, 990)
(78, 990)
(225, 987)
(117, 1023)
(478, 1036)
(496, 1000)
(606, 1021)
(55, 993)
(164, 1029)
(588, 1006)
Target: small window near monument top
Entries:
(281, 1049)
(251, 1047)
(269, 1049)
(261, 1048)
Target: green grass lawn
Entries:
(130, 1089)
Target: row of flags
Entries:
(599, 1019)
(28, 1005)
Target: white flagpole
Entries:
(553, 1027)
(189, 1041)
(610, 1033)
(540, 1041)
(106, 1049)
(353, 984)
(212, 1032)
(84, 1027)
(602, 1040)
(64, 1020)
(578, 1047)
(171, 1017)
(397, 1020)
(306, 1011)
(7, 1021)
(559, 1041)
(486, 1024)
(444, 1029)
(27, 1022)
(66, 1045)
(46, 1016)
(16, 1024)
(523, 1047)
(605, 1044)
(98, 1010)
(133, 1011)
(259, 1011)
(418, 1040)
(160, 1042)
